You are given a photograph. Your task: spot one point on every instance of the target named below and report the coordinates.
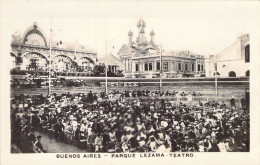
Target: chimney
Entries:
(130, 35)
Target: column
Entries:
(125, 63)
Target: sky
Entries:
(203, 28)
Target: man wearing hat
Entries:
(38, 145)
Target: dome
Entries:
(141, 23)
(130, 33)
(142, 30)
(152, 33)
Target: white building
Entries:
(142, 58)
(233, 61)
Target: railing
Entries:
(46, 73)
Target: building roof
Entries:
(34, 35)
(125, 49)
(110, 59)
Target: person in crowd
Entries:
(232, 102)
(123, 122)
(38, 145)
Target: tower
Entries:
(152, 34)
(141, 26)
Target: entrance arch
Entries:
(35, 61)
(63, 63)
(85, 64)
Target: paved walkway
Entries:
(54, 147)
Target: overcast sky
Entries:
(203, 29)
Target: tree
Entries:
(99, 69)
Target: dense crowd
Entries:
(102, 124)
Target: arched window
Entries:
(247, 53)
(232, 74)
(218, 74)
(248, 73)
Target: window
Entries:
(146, 66)
(216, 73)
(165, 66)
(33, 62)
(198, 67)
(179, 66)
(232, 74)
(136, 67)
(202, 68)
(158, 66)
(150, 66)
(129, 65)
(247, 53)
(186, 67)
(192, 67)
(247, 73)
(173, 67)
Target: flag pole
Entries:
(160, 69)
(49, 78)
(106, 59)
(106, 68)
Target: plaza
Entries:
(144, 99)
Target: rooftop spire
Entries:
(130, 33)
(152, 33)
(141, 23)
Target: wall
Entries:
(230, 59)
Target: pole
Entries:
(216, 81)
(216, 85)
(106, 68)
(49, 66)
(160, 69)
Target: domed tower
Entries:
(130, 35)
(152, 34)
(141, 25)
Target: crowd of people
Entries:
(101, 124)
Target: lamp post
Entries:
(160, 69)
(216, 79)
(106, 69)
(50, 58)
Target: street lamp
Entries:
(161, 69)
(50, 59)
(216, 79)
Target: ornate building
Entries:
(141, 58)
(233, 61)
(31, 51)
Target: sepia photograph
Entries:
(130, 79)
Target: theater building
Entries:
(142, 58)
(31, 51)
(233, 61)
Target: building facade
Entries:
(231, 62)
(113, 64)
(31, 51)
(143, 58)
